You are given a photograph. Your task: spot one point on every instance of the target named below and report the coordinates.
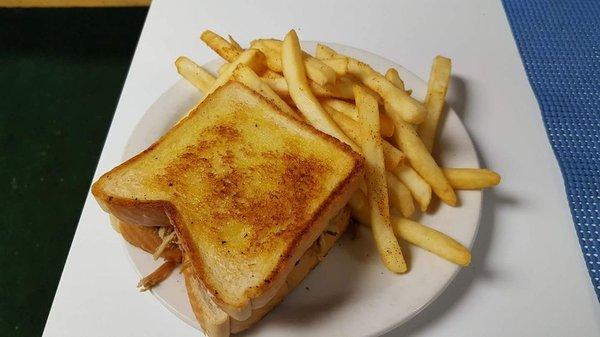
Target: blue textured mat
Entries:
(559, 42)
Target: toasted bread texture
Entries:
(216, 323)
(247, 189)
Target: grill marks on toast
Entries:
(294, 188)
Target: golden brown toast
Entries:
(247, 189)
(216, 323)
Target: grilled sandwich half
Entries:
(246, 188)
(217, 323)
(214, 321)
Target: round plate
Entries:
(350, 293)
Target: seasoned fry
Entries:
(417, 186)
(347, 108)
(315, 69)
(342, 88)
(470, 178)
(307, 103)
(400, 196)
(421, 160)
(324, 52)
(386, 242)
(273, 57)
(354, 82)
(194, 73)
(235, 44)
(220, 45)
(431, 240)
(318, 71)
(415, 233)
(246, 76)
(434, 101)
(250, 57)
(391, 155)
(393, 76)
(338, 64)
(157, 276)
(387, 125)
(411, 110)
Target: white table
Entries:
(528, 277)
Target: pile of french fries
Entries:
(371, 112)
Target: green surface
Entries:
(61, 73)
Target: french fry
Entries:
(307, 103)
(319, 71)
(346, 108)
(414, 233)
(393, 76)
(222, 68)
(338, 64)
(386, 242)
(399, 103)
(273, 56)
(315, 69)
(431, 240)
(235, 44)
(342, 89)
(220, 45)
(250, 57)
(420, 159)
(391, 155)
(246, 76)
(194, 73)
(387, 125)
(354, 82)
(470, 178)
(272, 43)
(324, 52)
(400, 196)
(417, 186)
(437, 87)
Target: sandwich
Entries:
(217, 323)
(214, 321)
(245, 191)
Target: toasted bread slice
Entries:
(247, 189)
(216, 323)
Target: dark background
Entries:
(61, 73)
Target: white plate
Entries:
(350, 293)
